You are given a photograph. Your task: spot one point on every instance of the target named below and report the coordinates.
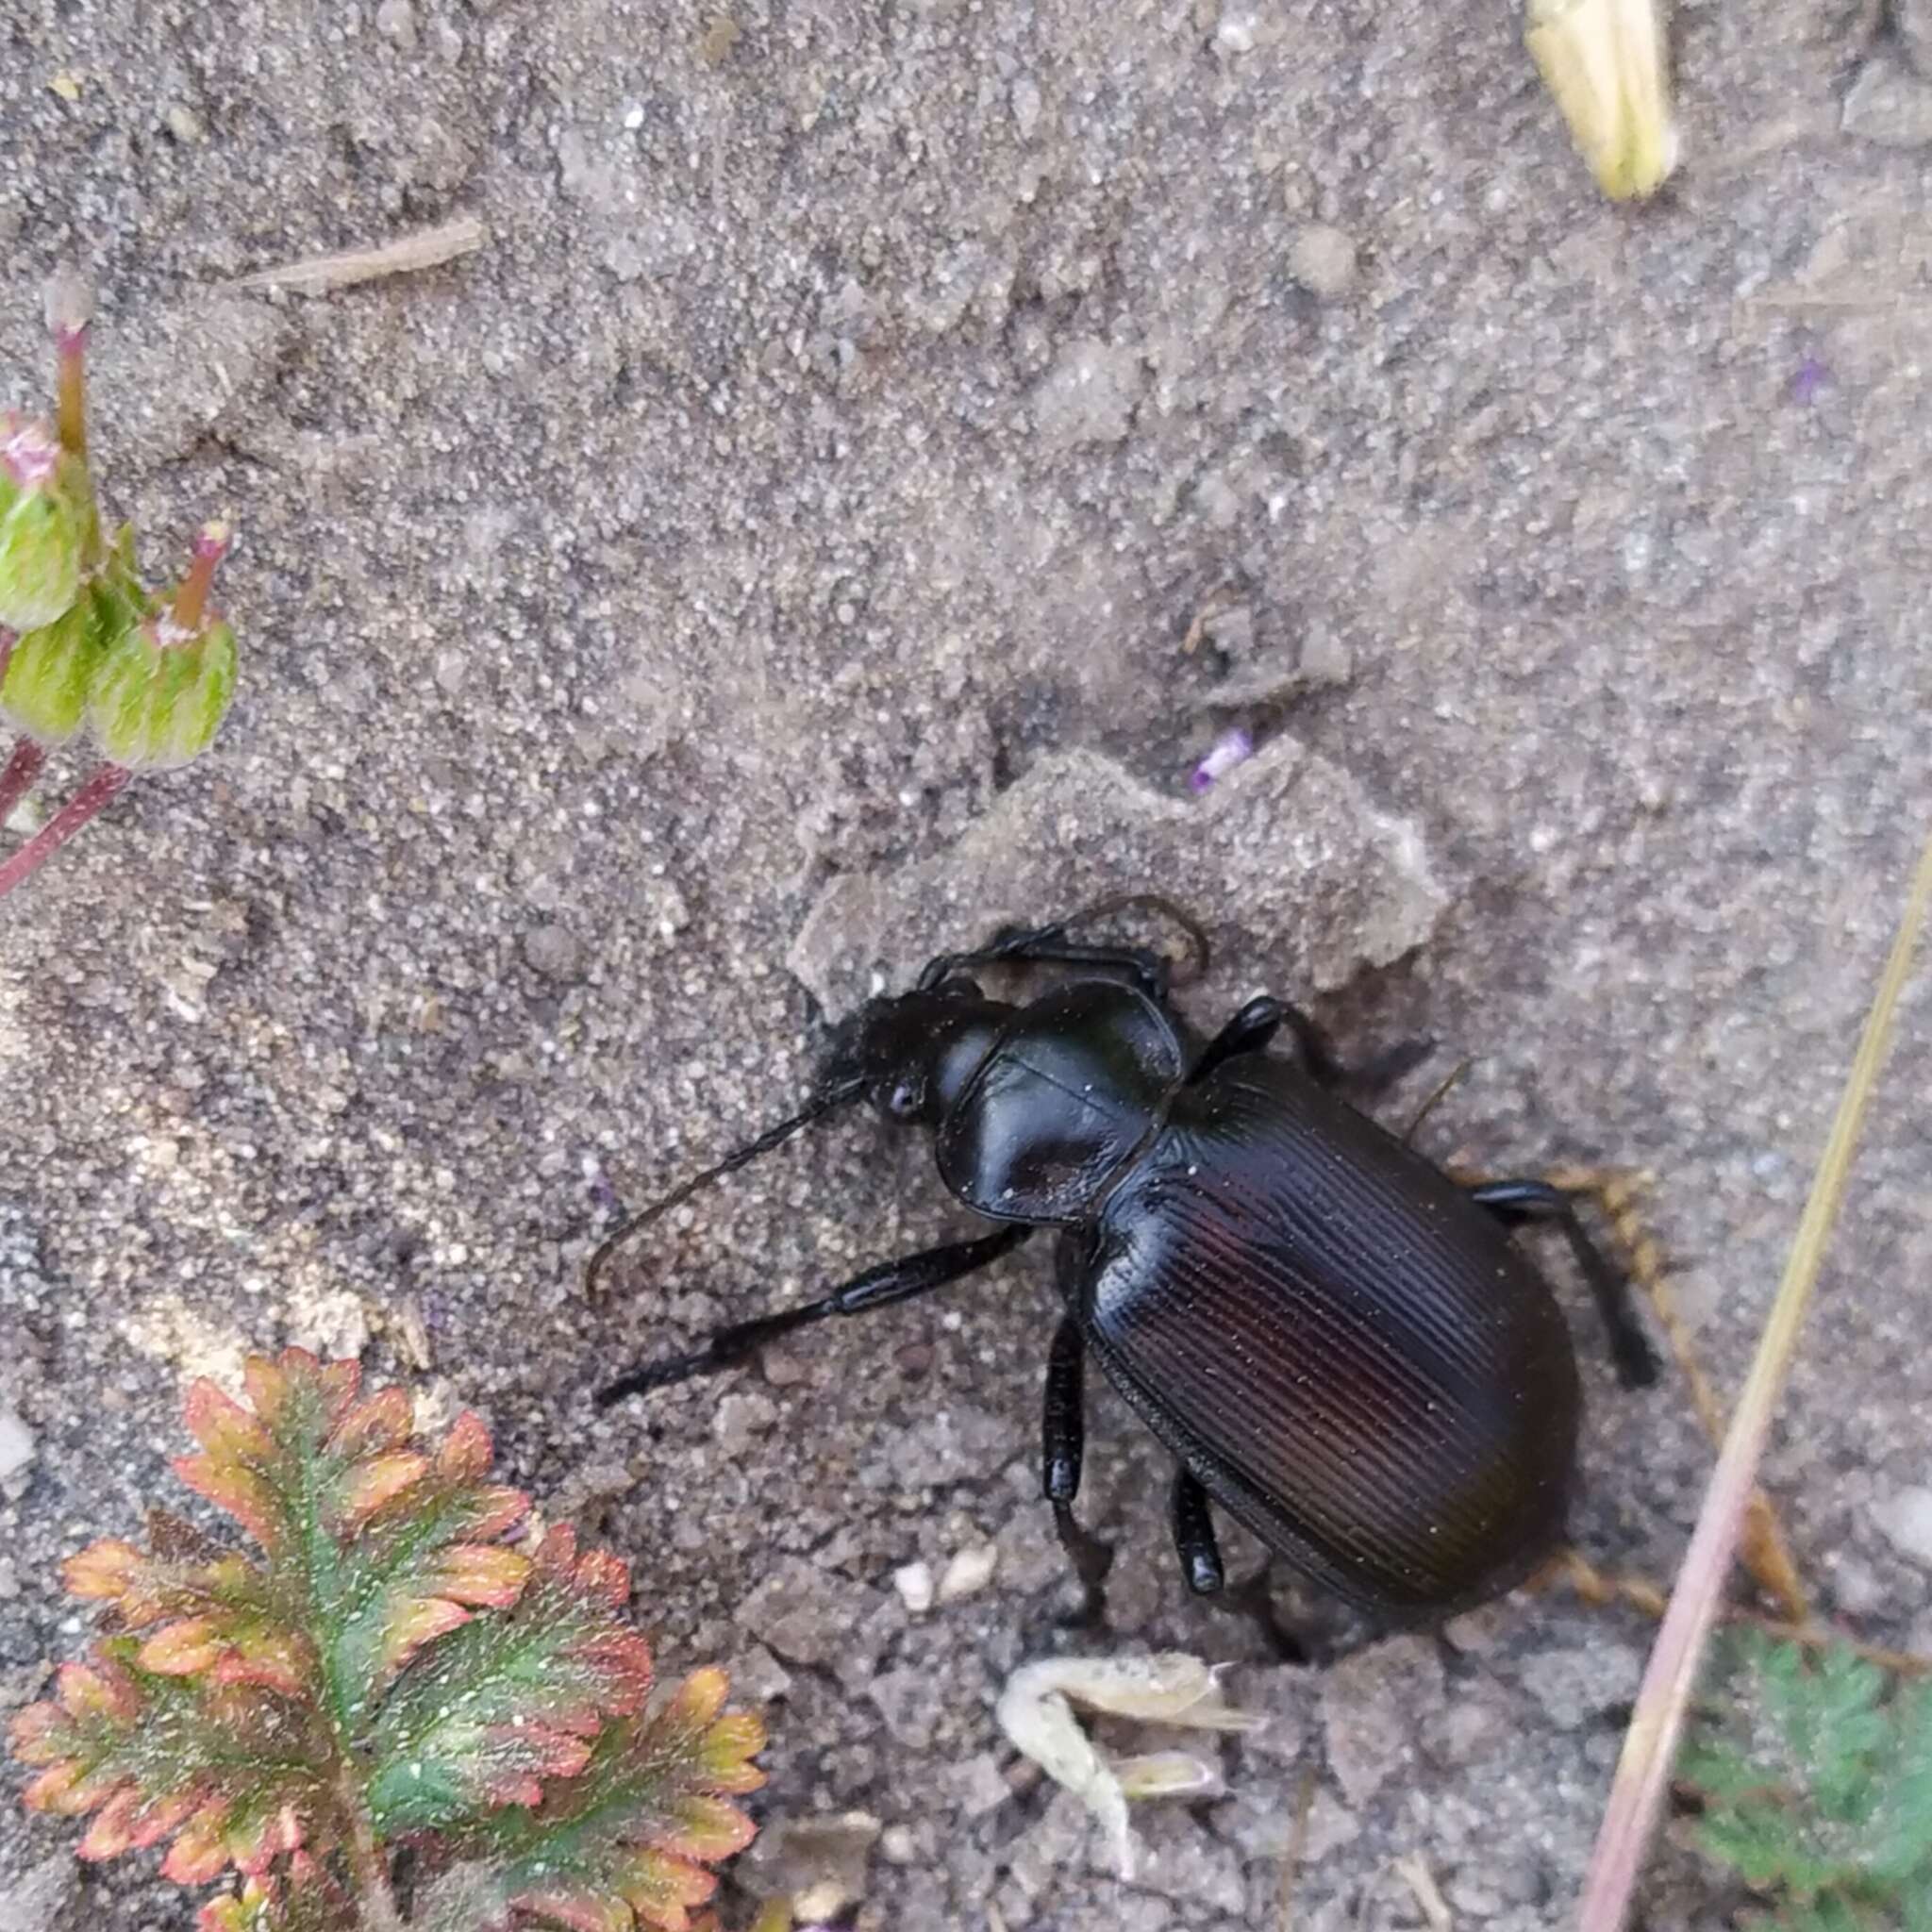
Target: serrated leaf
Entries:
(301, 1897)
(628, 1842)
(511, 1700)
(207, 1613)
(236, 1773)
(375, 1546)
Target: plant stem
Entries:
(70, 346)
(190, 600)
(23, 768)
(96, 792)
(377, 1897)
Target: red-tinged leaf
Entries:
(112, 1830)
(466, 1450)
(486, 1576)
(579, 1910)
(276, 1659)
(698, 1699)
(707, 1829)
(726, 1752)
(50, 1791)
(660, 1888)
(36, 1733)
(224, 1428)
(107, 1570)
(379, 1422)
(368, 1485)
(417, 1621)
(296, 1391)
(102, 1688)
(242, 1493)
(199, 1853)
(179, 1649)
(153, 1754)
(301, 1897)
(638, 1825)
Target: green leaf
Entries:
(235, 1772)
(509, 1700)
(630, 1840)
(374, 1546)
(300, 1897)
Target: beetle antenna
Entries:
(829, 1101)
(1429, 1106)
(1177, 916)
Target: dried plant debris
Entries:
(1035, 1711)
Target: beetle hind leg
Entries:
(1063, 1445)
(1194, 1535)
(1511, 1201)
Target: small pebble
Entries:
(553, 951)
(1905, 1520)
(968, 1571)
(913, 1581)
(16, 1445)
(1323, 259)
(184, 123)
(1234, 32)
(395, 20)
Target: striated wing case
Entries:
(1351, 1355)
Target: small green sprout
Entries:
(1816, 1777)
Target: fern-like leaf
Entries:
(391, 1672)
(234, 1771)
(627, 1843)
(377, 1546)
(299, 1897)
(1817, 1776)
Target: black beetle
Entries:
(1337, 1341)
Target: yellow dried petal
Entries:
(1604, 61)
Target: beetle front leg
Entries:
(1511, 1201)
(1194, 1535)
(1063, 1443)
(890, 1281)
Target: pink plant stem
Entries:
(23, 768)
(85, 803)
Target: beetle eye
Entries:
(904, 1098)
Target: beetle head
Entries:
(910, 1054)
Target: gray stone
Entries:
(35, 1901)
(1905, 1520)
(16, 1445)
(1889, 104)
(811, 1616)
(554, 951)
(1373, 1704)
(1576, 1686)
(1323, 259)
(1089, 396)
(1914, 19)
(1290, 843)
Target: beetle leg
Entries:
(1264, 1016)
(1194, 1535)
(1047, 946)
(890, 1281)
(1535, 1200)
(1063, 1442)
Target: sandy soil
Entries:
(772, 554)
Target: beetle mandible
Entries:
(1338, 1343)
